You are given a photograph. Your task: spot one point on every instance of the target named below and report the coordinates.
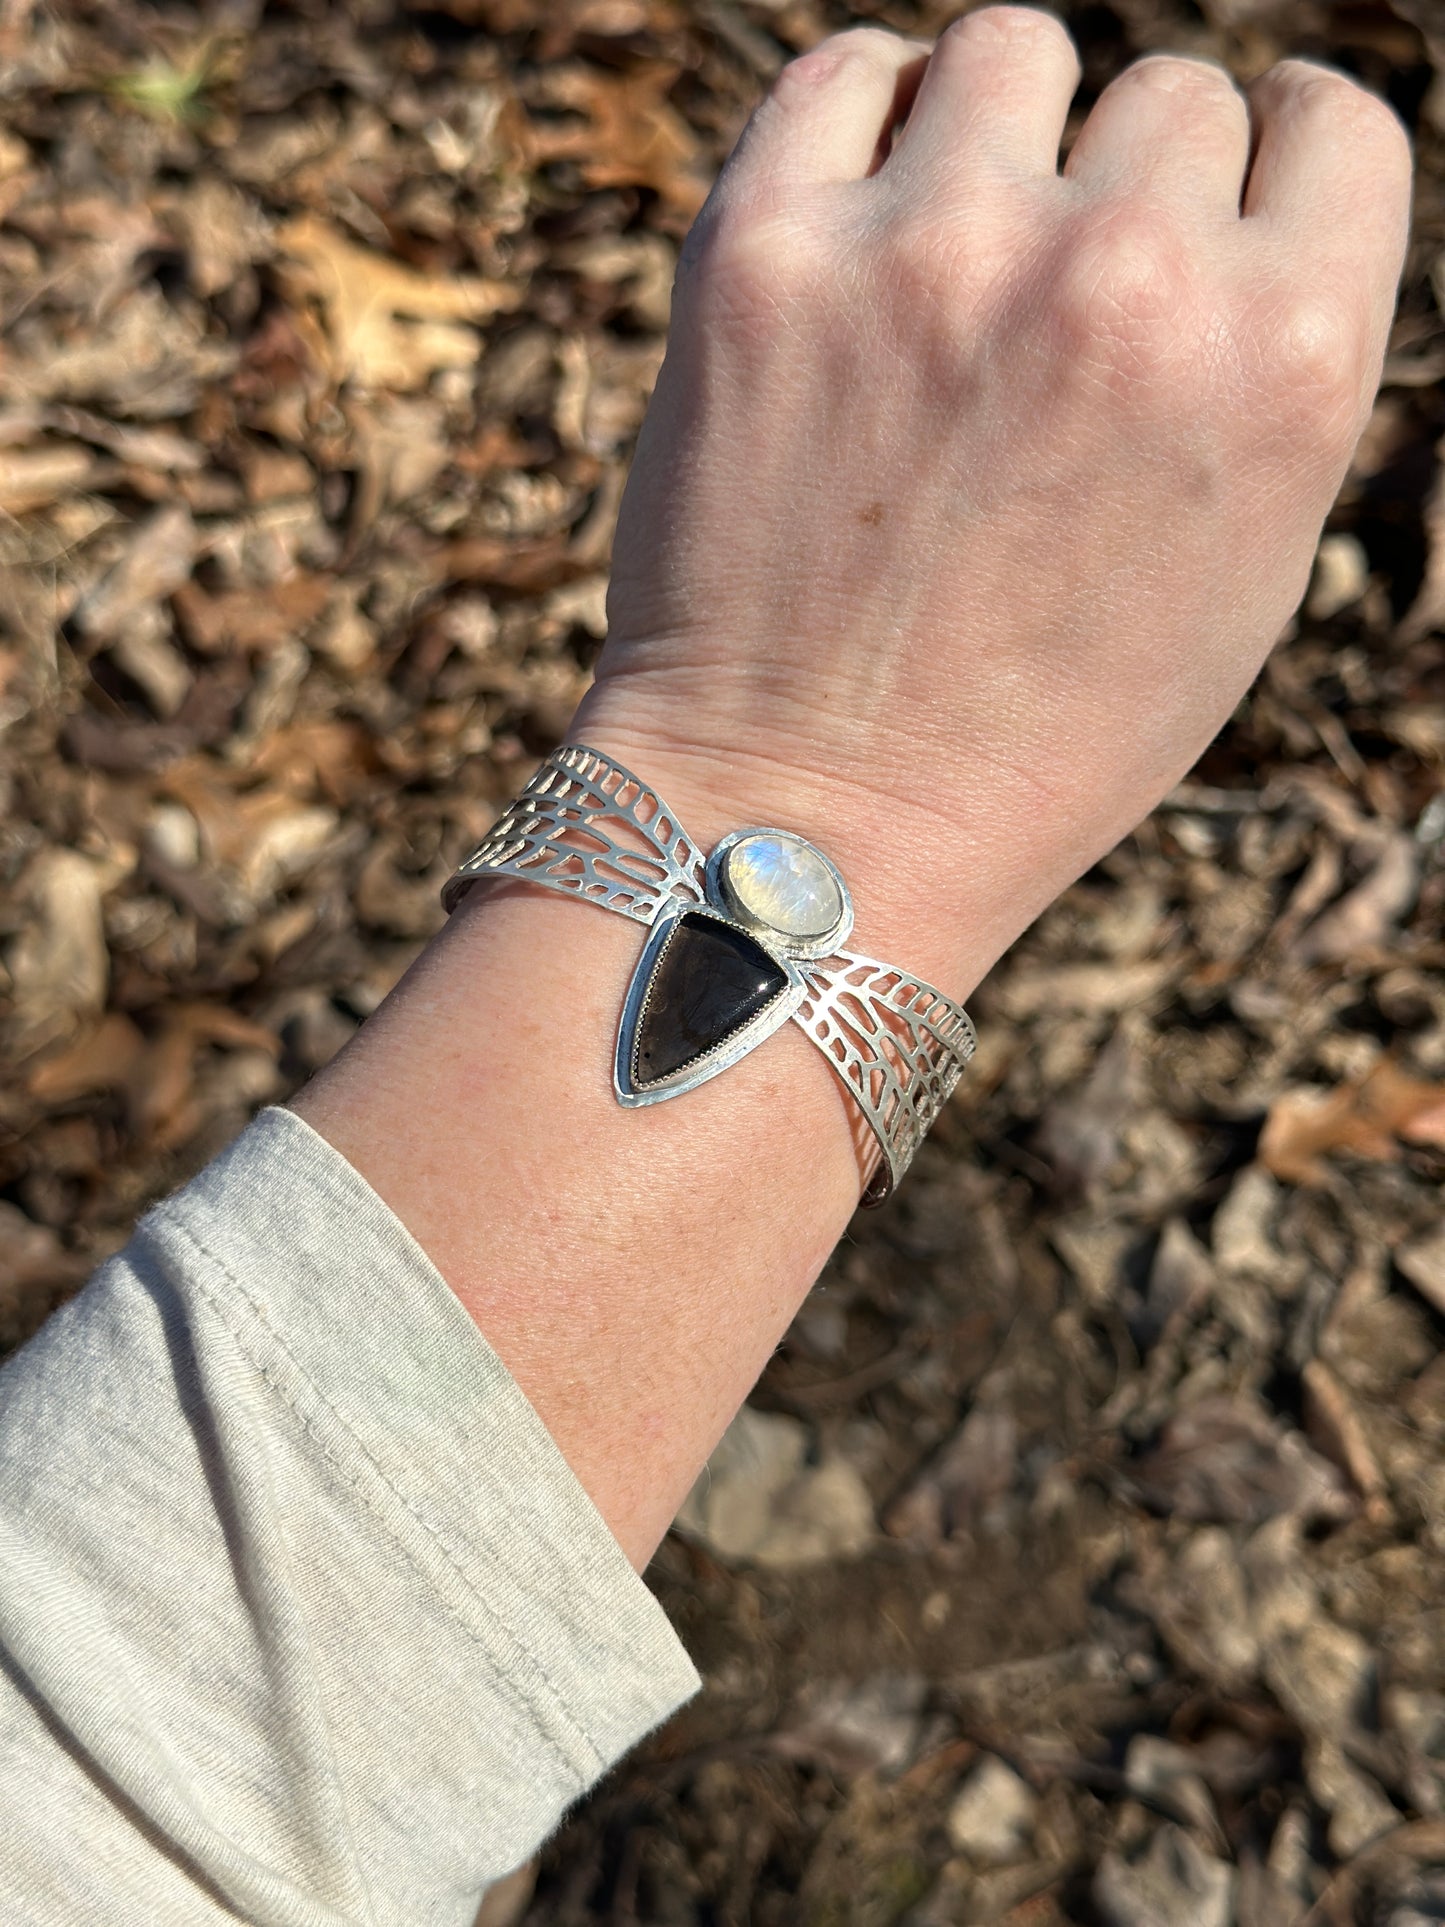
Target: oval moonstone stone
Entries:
(780, 881)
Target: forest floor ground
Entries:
(1085, 1561)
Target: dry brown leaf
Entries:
(275, 474)
(1365, 917)
(633, 136)
(147, 360)
(1096, 988)
(1427, 611)
(330, 754)
(1423, 1262)
(160, 1088)
(1229, 1459)
(402, 447)
(972, 1471)
(522, 565)
(643, 264)
(219, 1024)
(1335, 1428)
(157, 560)
(260, 838)
(386, 325)
(247, 619)
(60, 963)
(158, 448)
(1366, 1117)
(104, 1059)
(36, 1271)
(345, 636)
(154, 664)
(275, 841)
(32, 477)
(223, 231)
(1420, 727)
(1079, 1136)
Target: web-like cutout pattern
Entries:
(588, 827)
(898, 1045)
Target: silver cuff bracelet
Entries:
(739, 941)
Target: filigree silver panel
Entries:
(588, 827)
(898, 1045)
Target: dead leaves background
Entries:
(1080, 1557)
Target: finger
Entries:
(994, 96)
(828, 113)
(1331, 170)
(1171, 128)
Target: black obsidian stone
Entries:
(709, 980)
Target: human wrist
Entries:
(922, 897)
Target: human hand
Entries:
(973, 494)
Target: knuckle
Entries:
(915, 263)
(872, 46)
(936, 275)
(1313, 360)
(867, 43)
(1305, 88)
(752, 264)
(1008, 28)
(1371, 121)
(1307, 83)
(1177, 74)
(1124, 293)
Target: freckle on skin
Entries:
(872, 514)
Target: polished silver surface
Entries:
(589, 828)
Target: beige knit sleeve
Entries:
(304, 1619)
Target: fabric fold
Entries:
(307, 1617)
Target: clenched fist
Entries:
(974, 491)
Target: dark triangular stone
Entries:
(710, 979)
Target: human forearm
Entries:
(970, 501)
(281, 1545)
(634, 1269)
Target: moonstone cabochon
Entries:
(781, 882)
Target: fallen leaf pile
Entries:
(1081, 1555)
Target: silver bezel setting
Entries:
(737, 1045)
(773, 939)
(586, 827)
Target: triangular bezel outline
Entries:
(732, 1048)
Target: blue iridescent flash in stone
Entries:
(781, 882)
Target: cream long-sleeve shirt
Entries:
(304, 1620)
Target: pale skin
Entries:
(974, 492)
